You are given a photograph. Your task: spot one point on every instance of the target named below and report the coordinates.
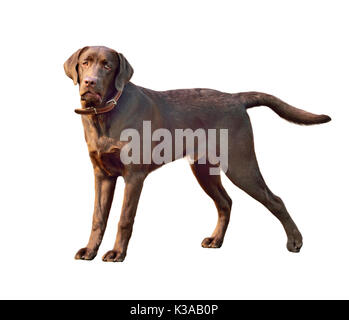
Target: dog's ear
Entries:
(70, 66)
(124, 74)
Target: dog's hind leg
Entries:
(213, 187)
(244, 172)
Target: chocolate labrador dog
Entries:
(110, 104)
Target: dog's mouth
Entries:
(92, 98)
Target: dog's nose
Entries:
(90, 81)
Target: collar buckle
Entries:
(113, 101)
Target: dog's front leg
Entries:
(133, 189)
(104, 192)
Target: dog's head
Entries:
(100, 72)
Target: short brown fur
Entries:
(101, 72)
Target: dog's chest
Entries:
(105, 155)
(104, 150)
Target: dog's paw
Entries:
(212, 242)
(113, 256)
(295, 242)
(85, 254)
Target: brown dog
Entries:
(110, 104)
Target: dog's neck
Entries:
(108, 106)
(111, 124)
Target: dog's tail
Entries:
(284, 110)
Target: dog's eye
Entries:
(107, 66)
(85, 63)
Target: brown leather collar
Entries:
(110, 105)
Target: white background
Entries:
(296, 50)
